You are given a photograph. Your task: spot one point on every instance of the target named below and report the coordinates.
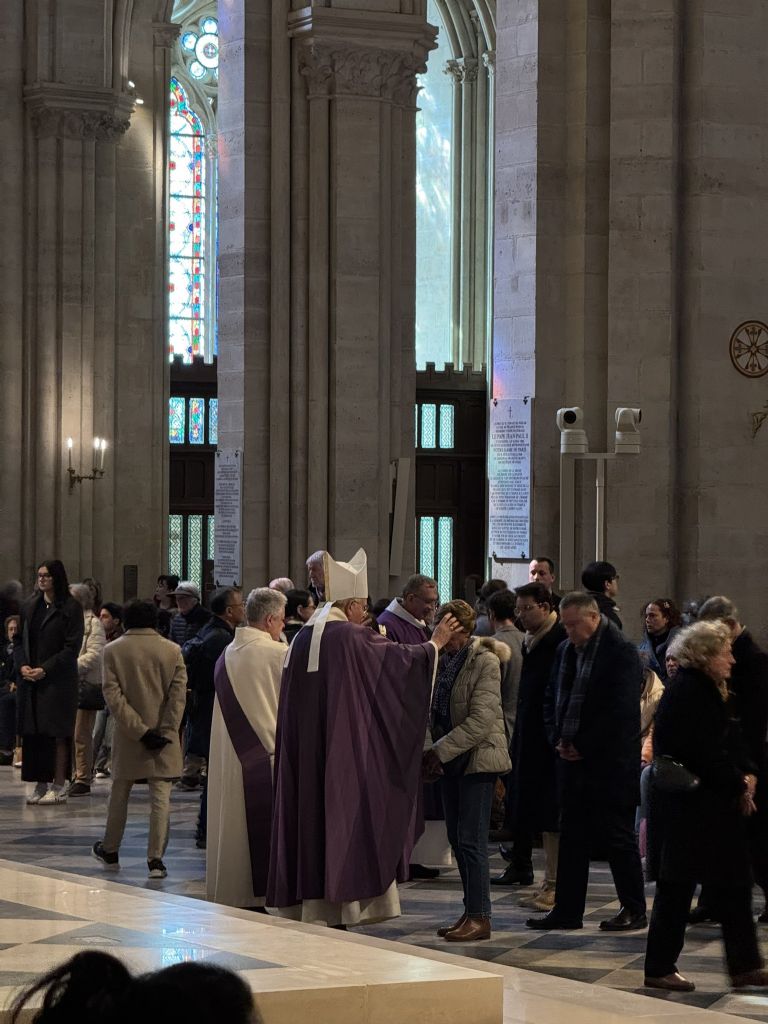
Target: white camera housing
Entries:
(573, 437)
(628, 431)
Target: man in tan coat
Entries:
(145, 687)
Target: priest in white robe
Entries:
(241, 760)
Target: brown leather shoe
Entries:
(751, 979)
(670, 983)
(442, 932)
(473, 929)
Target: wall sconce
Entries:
(99, 449)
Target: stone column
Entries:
(316, 335)
(69, 128)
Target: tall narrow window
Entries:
(434, 128)
(186, 229)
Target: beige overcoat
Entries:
(145, 687)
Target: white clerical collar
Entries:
(397, 609)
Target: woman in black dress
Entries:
(52, 634)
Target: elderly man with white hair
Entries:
(242, 751)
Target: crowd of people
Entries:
(341, 748)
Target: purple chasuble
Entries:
(401, 631)
(347, 765)
(257, 775)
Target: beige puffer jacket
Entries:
(476, 711)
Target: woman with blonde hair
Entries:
(702, 793)
(468, 753)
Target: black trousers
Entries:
(732, 905)
(588, 824)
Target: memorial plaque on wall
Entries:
(227, 563)
(509, 479)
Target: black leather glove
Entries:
(152, 740)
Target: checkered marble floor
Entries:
(609, 960)
(59, 839)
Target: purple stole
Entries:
(257, 776)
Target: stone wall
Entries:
(630, 211)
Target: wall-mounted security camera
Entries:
(573, 437)
(628, 431)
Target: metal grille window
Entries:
(435, 552)
(435, 426)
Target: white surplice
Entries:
(254, 664)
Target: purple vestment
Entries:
(347, 766)
(257, 775)
(401, 631)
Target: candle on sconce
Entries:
(69, 451)
(102, 449)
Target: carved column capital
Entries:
(337, 69)
(489, 61)
(462, 69)
(68, 112)
(165, 34)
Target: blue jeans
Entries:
(467, 801)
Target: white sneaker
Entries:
(55, 795)
(38, 793)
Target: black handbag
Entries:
(669, 776)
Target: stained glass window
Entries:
(175, 536)
(200, 50)
(434, 152)
(213, 421)
(186, 229)
(195, 549)
(427, 545)
(211, 538)
(444, 573)
(428, 434)
(446, 426)
(176, 421)
(197, 421)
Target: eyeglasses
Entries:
(526, 608)
(241, 605)
(44, 576)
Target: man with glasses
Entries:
(601, 582)
(200, 656)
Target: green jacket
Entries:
(476, 711)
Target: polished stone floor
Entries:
(555, 965)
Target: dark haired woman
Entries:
(96, 988)
(661, 619)
(51, 637)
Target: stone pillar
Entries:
(316, 365)
(82, 333)
(69, 127)
(13, 352)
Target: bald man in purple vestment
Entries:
(350, 732)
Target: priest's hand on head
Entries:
(444, 630)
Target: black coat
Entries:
(607, 607)
(533, 804)
(49, 707)
(213, 639)
(608, 737)
(657, 653)
(699, 836)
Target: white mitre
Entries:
(345, 580)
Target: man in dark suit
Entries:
(593, 716)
